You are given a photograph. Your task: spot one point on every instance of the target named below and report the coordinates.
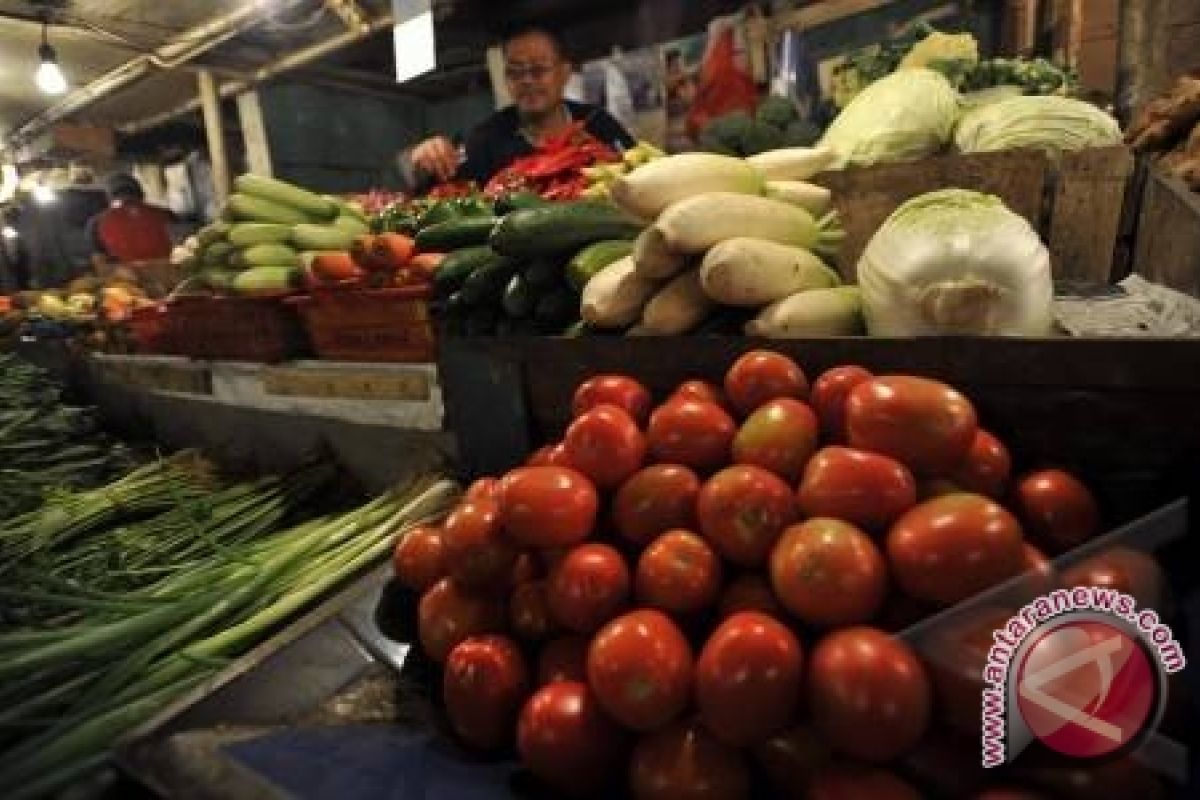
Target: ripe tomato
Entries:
(484, 685)
(418, 560)
(790, 758)
(547, 506)
(828, 572)
(695, 434)
(655, 499)
(476, 550)
(550, 455)
(563, 659)
(527, 568)
(749, 592)
(640, 667)
(566, 740)
(780, 436)
(1057, 509)
(868, 693)
(679, 573)
(684, 762)
(986, 468)
(448, 613)
(529, 611)
(742, 510)
(588, 587)
(829, 395)
(1038, 570)
(857, 783)
(748, 679)
(864, 489)
(605, 444)
(618, 390)
(956, 656)
(924, 424)
(935, 487)
(950, 548)
(760, 376)
(484, 489)
(1124, 569)
(702, 392)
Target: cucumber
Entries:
(556, 310)
(285, 194)
(593, 258)
(267, 280)
(322, 237)
(514, 200)
(458, 265)
(217, 254)
(519, 299)
(249, 208)
(485, 285)
(351, 224)
(481, 322)
(455, 234)
(212, 233)
(456, 305)
(542, 273)
(248, 234)
(559, 228)
(267, 255)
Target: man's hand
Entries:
(437, 156)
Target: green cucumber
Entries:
(542, 273)
(248, 234)
(455, 234)
(351, 224)
(556, 310)
(519, 299)
(250, 208)
(267, 255)
(481, 322)
(560, 228)
(514, 200)
(285, 194)
(593, 258)
(322, 237)
(458, 265)
(485, 286)
(267, 280)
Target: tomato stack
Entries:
(676, 597)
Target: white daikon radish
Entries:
(696, 224)
(792, 163)
(615, 296)
(652, 258)
(817, 312)
(650, 188)
(812, 198)
(753, 272)
(678, 307)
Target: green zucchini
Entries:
(485, 286)
(267, 280)
(251, 208)
(458, 265)
(322, 237)
(519, 299)
(248, 234)
(593, 258)
(284, 193)
(560, 228)
(542, 273)
(455, 234)
(267, 255)
(514, 200)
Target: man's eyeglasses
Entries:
(533, 72)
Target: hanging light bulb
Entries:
(49, 76)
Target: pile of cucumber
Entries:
(266, 229)
(522, 273)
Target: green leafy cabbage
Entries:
(1052, 124)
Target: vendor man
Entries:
(130, 229)
(536, 70)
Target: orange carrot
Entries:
(394, 249)
(335, 265)
(426, 264)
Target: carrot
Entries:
(426, 264)
(394, 249)
(335, 265)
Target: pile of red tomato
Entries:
(678, 597)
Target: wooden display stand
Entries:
(1168, 239)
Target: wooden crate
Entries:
(1074, 202)
(1168, 236)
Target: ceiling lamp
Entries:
(49, 76)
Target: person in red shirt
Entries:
(130, 229)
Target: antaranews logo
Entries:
(1082, 670)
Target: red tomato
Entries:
(924, 424)
(789, 760)
(956, 656)
(484, 489)
(1057, 509)
(701, 392)
(605, 444)
(748, 679)
(742, 510)
(864, 489)
(564, 659)
(550, 455)
(654, 500)
(684, 762)
(760, 376)
(529, 611)
(829, 395)
(780, 436)
(640, 667)
(858, 783)
(588, 587)
(484, 685)
(986, 468)
(749, 592)
(418, 559)
(868, 693)
(695, 434)
(950, 548)
(1121, 568)
(547, 506)
(828, 572)
(618, 390)
(678, 573)
(566, 740)
(527, 568)
(1038, 570)
(930, 488)
(448, 614)
(476, 549)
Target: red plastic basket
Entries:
(260, 329)
(369, 324)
